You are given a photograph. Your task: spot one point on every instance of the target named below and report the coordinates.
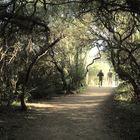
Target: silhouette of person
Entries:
(116, 80)
(100, 75)
(109, 77)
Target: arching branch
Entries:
(93, 60)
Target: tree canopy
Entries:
(52, 39)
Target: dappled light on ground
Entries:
(73, 117)
(63, 106)
(89, 100)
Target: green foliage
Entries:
(30, 27)
(124, 92)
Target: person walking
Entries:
(109, 78)
(116, 80)
(100, 76)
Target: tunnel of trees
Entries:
(44, 44)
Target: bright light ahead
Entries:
(93, 52)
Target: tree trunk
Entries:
(61, 71)
(27, 75)
(64, 81)
(22, 99)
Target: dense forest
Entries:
(44, 45)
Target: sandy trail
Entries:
(74, 117)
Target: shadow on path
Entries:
(74, 117)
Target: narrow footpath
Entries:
(73, 117)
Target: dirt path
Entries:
(74, 117)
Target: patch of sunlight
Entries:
(39, 105)
(95, 94)
(62, 106)
(91, 102)
(93, 52)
